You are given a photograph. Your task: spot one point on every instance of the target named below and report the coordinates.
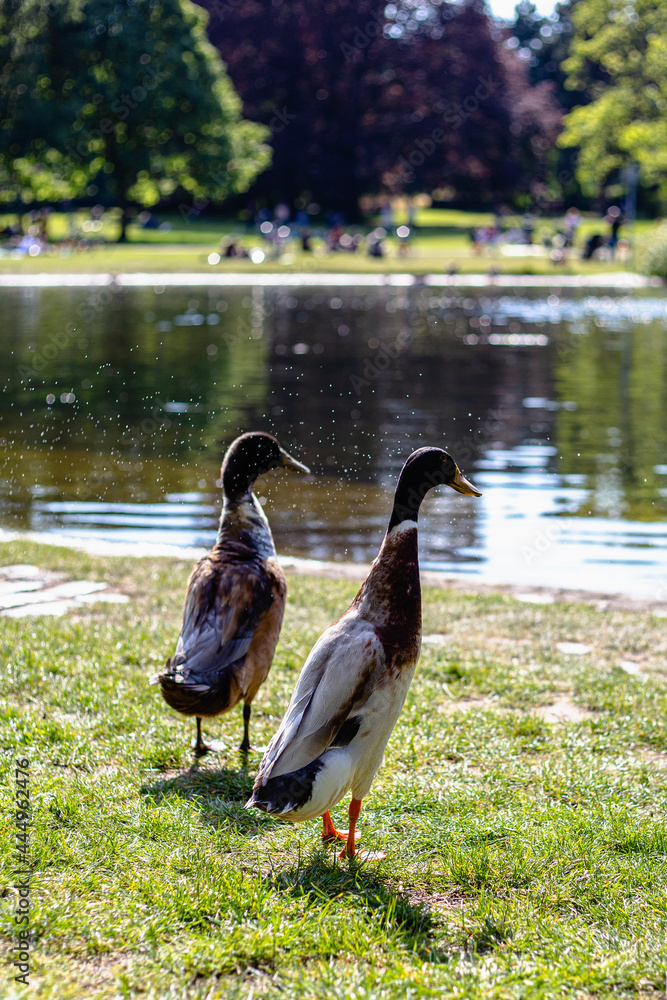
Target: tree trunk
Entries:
(124, 218)
(348, 203)
(121, 183)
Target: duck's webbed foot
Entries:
(330, 833)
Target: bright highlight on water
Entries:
(119, 400)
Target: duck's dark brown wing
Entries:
(226, 601)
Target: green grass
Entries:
(441, 241)
(524, 858)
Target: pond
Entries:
(118, 402)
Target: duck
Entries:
(355, 680)
(234, 601)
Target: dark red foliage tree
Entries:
(362, 96)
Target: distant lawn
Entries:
(435, 257)
(441, 242)
(526, 858)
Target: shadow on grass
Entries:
(220, 795)
(414, 915)
(368, 887)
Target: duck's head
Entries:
(248, 457)
(425, 469)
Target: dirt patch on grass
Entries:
(431, 902)
(97, 974)
(563, 710)
(466, 705)
(99, 970)
(656, 757)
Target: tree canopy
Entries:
(127, 95)
(543, 43)
(364, 96)
(619, 56)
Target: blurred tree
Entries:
(492, 131)
(365, 96)
(542, 43)
(619, 57)
(624, 389)
(129, 91)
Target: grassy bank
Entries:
(525, 857)
(441, 242)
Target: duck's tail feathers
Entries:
(193, 695)
(286, 793)
(169, 679)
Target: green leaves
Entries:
(135, 87)
(620, 54)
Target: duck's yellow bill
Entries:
(461, 485)
(291, 463)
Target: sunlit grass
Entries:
(441, 243)
(524, 858)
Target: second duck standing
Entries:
(235, 599)
(355, 680)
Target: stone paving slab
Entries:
(28, 590)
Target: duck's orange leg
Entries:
(329, 831)
(350, 851)
(353, 815)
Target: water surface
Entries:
(117, 405)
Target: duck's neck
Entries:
(392, 588)
(407, 501)
(243, 520)
(391, 594)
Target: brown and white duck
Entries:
(355, 680)
(235, 599)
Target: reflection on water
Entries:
(117, 404)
